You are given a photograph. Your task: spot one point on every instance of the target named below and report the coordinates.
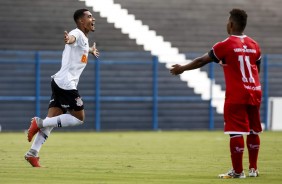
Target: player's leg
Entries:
(32, 155)
(253, 140)
(64, 99)
(253, 144)
(236, 145)
(56, 118)
(55, 109)
(236, 125)
(64, 120)
(44, 132)
(78, 114)
(59, 120)
(237, 149)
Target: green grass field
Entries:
(134, 157)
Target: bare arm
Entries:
(196, 63)
(69, 39)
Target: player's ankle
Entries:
(32, 153)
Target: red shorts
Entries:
(241, 118)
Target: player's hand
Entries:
(176, 69)
(221, 63)
(66, 37)
(94, 50)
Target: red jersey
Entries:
(240, 56)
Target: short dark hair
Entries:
(239, 17)
(78, 14)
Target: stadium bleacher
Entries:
(191, 26)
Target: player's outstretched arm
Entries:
(196, 63)
(93, 50)
(69, 39)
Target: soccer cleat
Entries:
(34, 161)
(232, 174)
(33, 128)
(253, 172)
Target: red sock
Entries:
(253, 144)
(237, 150)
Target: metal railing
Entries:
(98, 98)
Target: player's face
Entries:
(88, 21)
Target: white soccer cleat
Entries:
(231, 174)
(253, 172)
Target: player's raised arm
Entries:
(196, 63)
(69, 39)
(93, 50)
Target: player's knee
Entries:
(78, 115)
(80, 120)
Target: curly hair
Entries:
(78, 14)
(239, 17)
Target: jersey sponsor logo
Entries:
(65, 106)
(79, 102)
(254, 88)
(84, 58)
(245, 49)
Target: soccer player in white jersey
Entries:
(65, 97)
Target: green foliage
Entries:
(134, 158)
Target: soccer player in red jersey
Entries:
(240, 57)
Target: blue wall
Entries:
(121, 91)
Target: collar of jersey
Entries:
(241, 36)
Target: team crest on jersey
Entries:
(79, 102)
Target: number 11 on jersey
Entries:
(242, 61)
